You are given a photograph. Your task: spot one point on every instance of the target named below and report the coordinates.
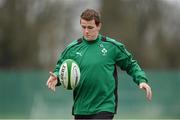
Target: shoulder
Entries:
(112, 41)
(73, 44)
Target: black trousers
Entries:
(100, 115)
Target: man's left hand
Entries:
(147, 88)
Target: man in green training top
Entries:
(95, 97)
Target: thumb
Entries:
(142, 86)
(52, 74)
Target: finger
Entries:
(48, 81)
(142, 87)
(51, 79)
(52, 74)
(54, 88)
(148, 91)
(150, 95)
(51, 86)
(54, 85)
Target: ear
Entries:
(99, 26)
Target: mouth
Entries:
(88, 36)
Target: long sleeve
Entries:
(125, 61)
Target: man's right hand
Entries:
(52, 81)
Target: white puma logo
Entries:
(78, 53)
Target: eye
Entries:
(90, 27)
(84, 27)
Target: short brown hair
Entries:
(91, 14)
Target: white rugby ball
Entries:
(69, 74)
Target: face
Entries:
(89, 29)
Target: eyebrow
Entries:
(87, 26)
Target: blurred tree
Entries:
(170, 35)
(140, 24)
(16, 39)
(27, 29)
(33, 32)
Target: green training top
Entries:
(97, 89)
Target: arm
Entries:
(125, 61)
(53, 80)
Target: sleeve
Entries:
(61, 58)
(125, 61)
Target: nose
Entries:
(86, 30)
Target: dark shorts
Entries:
(100, 115)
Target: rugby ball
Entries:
(69, 74)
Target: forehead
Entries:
(87, 23)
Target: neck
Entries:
(92, 38)
(92, 41)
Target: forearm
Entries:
(134, 70)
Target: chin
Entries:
(88, 38)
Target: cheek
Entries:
(95, 31)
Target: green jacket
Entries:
(97, 89)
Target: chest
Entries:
(93, 55)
